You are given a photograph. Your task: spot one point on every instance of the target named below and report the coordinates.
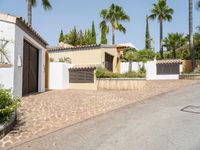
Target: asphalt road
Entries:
(154, 124)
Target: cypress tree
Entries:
(62, 37)
(93, 34)
(147, 35)
(103, 38)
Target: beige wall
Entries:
(121, 84)
(87, 57)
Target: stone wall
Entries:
(190, 76)
(121, 84)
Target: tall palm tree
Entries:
(191, 45)
(114, 15)
(162, 12)
(31, 3)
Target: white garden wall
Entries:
(125, 66)
(151, 73)
(59, 75)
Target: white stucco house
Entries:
(22, 60)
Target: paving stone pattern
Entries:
(44, 112)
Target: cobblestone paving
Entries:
(53, 109)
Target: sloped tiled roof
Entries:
(170, 61)
(79, 67)
(19, 21)
(83, 47)
(60, 48)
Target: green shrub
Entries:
(7, 105)
(133, 74)
(104, 73)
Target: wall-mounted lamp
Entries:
(19, 61)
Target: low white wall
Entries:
(125, 66)
(151, 73)
(59, 75)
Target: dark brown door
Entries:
(30, 69)
(109, 62)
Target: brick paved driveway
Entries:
(54, 109)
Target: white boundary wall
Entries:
(125, 66)
(151, 70)
(59, 75)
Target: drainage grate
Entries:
(192, 109)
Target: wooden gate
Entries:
(168, 69)
(81, 75)
(30, 69)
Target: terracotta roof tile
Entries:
(170, 61)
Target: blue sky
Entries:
(80, 13)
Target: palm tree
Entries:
(114, 15)
(173, 42)
(162, 12)
(31, 3)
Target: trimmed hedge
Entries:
(104, 73)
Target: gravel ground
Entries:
(54, 109)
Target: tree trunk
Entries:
(130, 66)
(161, 38)
(191, 45)
(30, 12)
(113, 34)
(174, 53)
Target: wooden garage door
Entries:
(30, 69)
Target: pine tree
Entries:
(62, 37)
(72, 37)
(93, 34)
(147, 35)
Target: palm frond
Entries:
(121, 28)
(46, 4)
(34, 3)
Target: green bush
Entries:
(7, 105)
(132, 74)
(104, 73)
(146, 55)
